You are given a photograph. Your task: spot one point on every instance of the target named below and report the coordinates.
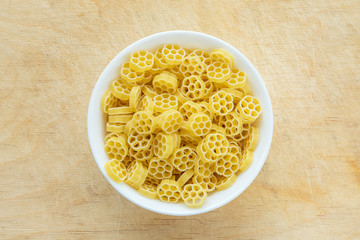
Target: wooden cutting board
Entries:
(51, 54)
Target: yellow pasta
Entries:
(227, 165)
(116, 147)
(249, 108)
(116, 170)
(144, 122)
(130, 75)
(193, 87)
(148, 190)
(192, 65)
(252, 140)
(222, 55)
(119, 118)
(221, 103)
(165, 82)
(199, 124)
(183, 158)
(225, 182)
(218, 72)
(173, 54)
(237, 79)
(170, 121)
(216, 144)
(164, 102)
(193, 195)
(140, 142)
(185, 177)
(189, 108)
(136, 174)
(141, 61)
(115, 127)
(179, 123)
(208, 184)
(163, 145)
(169, 191)
(232, 123)
(135, 95)
(123, 110)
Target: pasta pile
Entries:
(179, 123)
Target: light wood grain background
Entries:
(51, 54)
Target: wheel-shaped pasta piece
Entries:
(141, 61)
(193, 195)
(128, 161)
(217, 144)
(146, 103)
(165, 82)
(189, 108)
(129, 126)
(204, 56)
(181, 98)
(232, 123)
(116, 147)
(148, 190)
(244, 133)
(164, 102)
(160, 168)
(204, 169)
(163, 145)
(246, 161)
(120, 90)
(205, 155)
(234, 148)
(170, 121)
(225, 182)
(188, 139)
(223, 56)
(199, 124)
(140, 142)
(149, 91)
(135, 95)
(136, 174)
(144, 122)
(148, 77)
(110, 135)
(227, 165)
(186, 176)
(177, 140)
(221, 103)
(173, 54)
(130, 75)
(192, 65)
(123, 110)
(183, 158)
(116, 170)
(205, 108)
(108, 100)
(160, 60)
(249, 108)
(193, 87)
(123, 119)
(142, 155)
(251, 141)
(208, 184)
(209, 86)
(154, 181)
(218, 72)
(237, 79)
(236, 94)
(169, 191)
(217, 129)
(115, 127)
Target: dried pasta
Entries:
(179, 123)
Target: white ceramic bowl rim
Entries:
(96, 131)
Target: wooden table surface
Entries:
(51, 54)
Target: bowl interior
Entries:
(187, 39)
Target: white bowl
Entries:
(186, 39)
